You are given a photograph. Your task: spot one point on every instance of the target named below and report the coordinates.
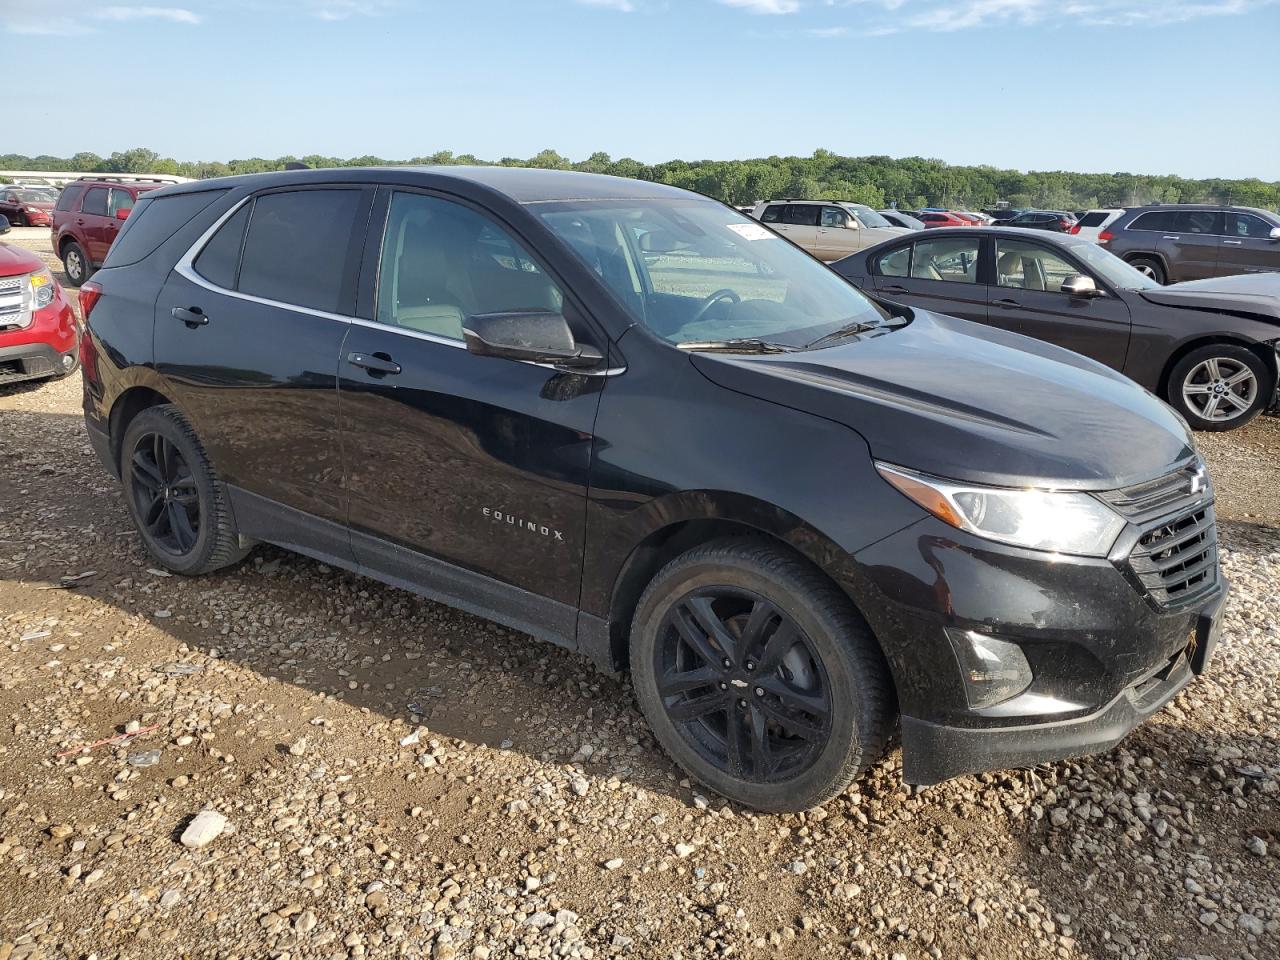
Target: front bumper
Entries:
(933, 752)
(33, 361)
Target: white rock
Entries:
(207, 826)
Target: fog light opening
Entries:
(68, 361)
(993, 670)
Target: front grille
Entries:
(1175, 559)
(14, 311)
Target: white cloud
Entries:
(622, 6)
(765, 6)
(172, 14)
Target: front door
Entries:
(249, 345)
(1027, 298)
(456, 460)
(1248, 247)
(938, 274)
(837, 235)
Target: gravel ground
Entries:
(386, 777)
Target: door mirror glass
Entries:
(1079, 286)
(1275, 233)
(531, 336)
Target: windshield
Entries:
(1111, 268)
(29, 195)
(868, 217)
(694, 271)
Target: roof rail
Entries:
(124, 178)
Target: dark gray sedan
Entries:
(1209, 348)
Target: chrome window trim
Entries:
(185, 267)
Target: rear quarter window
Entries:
(1158, 220)
(1093, 218)
(153, 221)
(69, 199)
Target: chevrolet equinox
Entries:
(632, 421)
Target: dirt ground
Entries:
(400, 779)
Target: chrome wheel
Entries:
(1146, 270)
(1220, 389)
(743, 685)
(165, 496)
(74, 264)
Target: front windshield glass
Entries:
(695, 271)
(1111, 268)
(868, 217)
(36, 195)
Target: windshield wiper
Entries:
(737, 345)
(841, 333)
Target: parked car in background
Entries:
(1210, 352)
(1002, 217)
(1195, 241)
(828, 229)
(27, 206)
(936, 218)
(623, 418)
(1056, 221)
(38, 332)
(87, 218)
(1091, 224)
(981, 219)
(899, 219)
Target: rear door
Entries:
(92, 221)
(938, 273)
(1248, 247)
(1026, 298)
(248, 331)
(837, 234)
(800, 225)
(1192, 247)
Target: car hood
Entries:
(14, 261)
(959, 400)
(1257, 294)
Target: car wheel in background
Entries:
(177, 502)
(76, 264)
(1151, 267)
(1220, 386)
(758, 676)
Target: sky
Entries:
(1188, 87)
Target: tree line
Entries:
(908, 182)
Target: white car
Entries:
(828, 229)
(1091, 225)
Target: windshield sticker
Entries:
(752, 231)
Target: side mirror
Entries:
(123, 213)
(529, 336)
(4, 224)
(1275, 233)
(1078, 286)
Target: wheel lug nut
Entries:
(751, 665)
(723, 685)
(727, 663)
(759, 691)
(742, 703)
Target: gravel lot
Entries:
(402, 780)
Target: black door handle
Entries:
(1006, 303)
(192, 316)
(894, 289)
(378, 364)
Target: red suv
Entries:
(38, 332)
(87, 218)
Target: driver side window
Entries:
(1029, 266)
(834, 217)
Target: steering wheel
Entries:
(711, 301)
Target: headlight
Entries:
(42, 289)
(1059, 521)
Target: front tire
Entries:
(1221, 386)
(76, 264)
(1151, 267)
(177, 502)
(758, 676)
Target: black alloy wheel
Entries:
(165, 496)
(740, 681)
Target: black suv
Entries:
(1195, 241)
(632, 421)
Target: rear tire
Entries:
(76, 263)
(1151, 267)
(1220, 386)
(177, 502)
(805, 703)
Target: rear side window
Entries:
(120, 200)
(895, 263)
(801, 214)
(220, 258)
(954, 259)
(153, 221)
(1093, 218)
(299, 249)
(70, 197)
(1158, 220)
(95, 202)
(772, 214)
